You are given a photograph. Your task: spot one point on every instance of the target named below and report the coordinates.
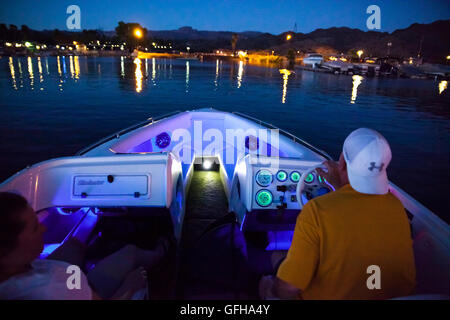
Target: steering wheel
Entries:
(311, 186)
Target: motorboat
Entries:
(211, 180)
(369, 69)
(313, 59)
(338, 66)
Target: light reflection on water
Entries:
(13, 73)
(46, 111)
(240, 72)
(187, 75)
(356, 82)
(285, 74)
(41, 77)
(138, 75)
(75, 73)
(30, 72)
(153, 70)
(77, 67)
(217, 73)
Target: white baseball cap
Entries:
(367, 154)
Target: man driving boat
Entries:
(354, 243)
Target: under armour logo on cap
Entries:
(373, 166)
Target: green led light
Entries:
(264, 198)
(295, 176)
(309, 178)
(321, 180)
(281, 175)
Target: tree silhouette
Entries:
(125, 32)
(234, 39)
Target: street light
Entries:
(138, 33)
(389, 44)
(288, 37)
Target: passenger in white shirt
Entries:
(24, 276)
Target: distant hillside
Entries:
(431, 40)
(189, 34)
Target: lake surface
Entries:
(51, 107)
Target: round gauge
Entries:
(295, 176)
(264, 198)
(282, 176)
(309, 178)
(264, 178)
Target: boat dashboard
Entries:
(270, 184)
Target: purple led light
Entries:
(163, 140)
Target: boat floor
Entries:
(214, 259)
(215, 256)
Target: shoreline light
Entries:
(137, 33)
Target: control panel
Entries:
(275, 187)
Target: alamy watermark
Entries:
(74, 279)
(73, 21)
(233, 146)
(374, 280)
(373, 22)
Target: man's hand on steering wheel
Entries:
(332, 176)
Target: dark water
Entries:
(49, 110)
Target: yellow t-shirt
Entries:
(339, 235)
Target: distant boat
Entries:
(338, 66)
(370, 69)
(435, 69)
(313, 59)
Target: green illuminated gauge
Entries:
(295, 176)
(282, 176)
(264, 178)
(309, 178)
(264, 198)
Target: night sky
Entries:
(227, 15)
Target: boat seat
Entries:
(432, 265)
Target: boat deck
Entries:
(216, 259)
